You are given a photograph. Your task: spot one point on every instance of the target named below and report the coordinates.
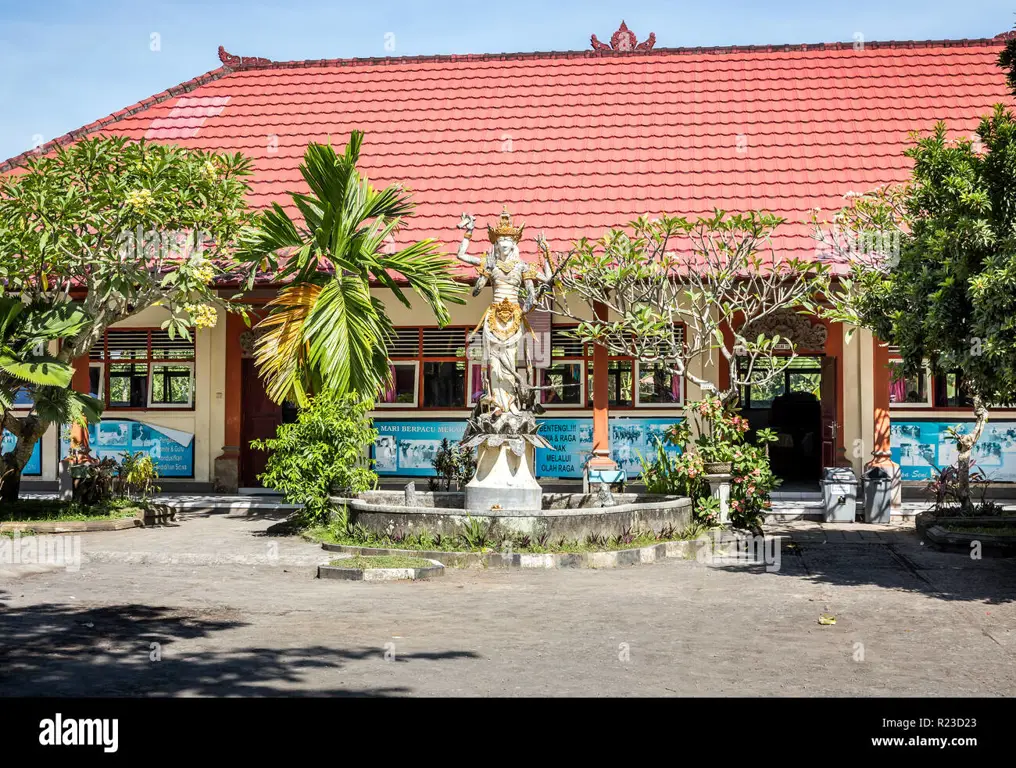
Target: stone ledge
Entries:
(73, 526)
(685, 550)
(380, 574)
(159, 515)
(957, 541)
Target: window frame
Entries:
(190, 390)
(583, 385)
(638, 394)
(416, 384)
(105, 363)
(929, 385)
(422, 359)
(745, 394)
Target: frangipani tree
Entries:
(325, 331)
(678, 291)
(123, 226)
(26, 364)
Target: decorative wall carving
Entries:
(236, 62)
(624, 40)
(788, 324)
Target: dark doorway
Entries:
(261, 419)
(791, 405)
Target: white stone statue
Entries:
(503, 427)
(503, 326)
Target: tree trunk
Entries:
(14, 462)
(964, 447)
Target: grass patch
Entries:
(52, 510)
(382, 561)
(478, 537)
(999, 530)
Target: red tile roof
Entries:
(575, 142)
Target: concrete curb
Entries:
(160, 515)
(956, 541)
(380, 574)
(685, 550)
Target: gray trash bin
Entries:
(839, 495)
(878, 495)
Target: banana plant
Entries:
(325, 331)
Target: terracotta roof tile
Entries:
(575, 142)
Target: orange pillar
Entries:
(81, 382)
(601, 412)
(880, 382)
(227, 466)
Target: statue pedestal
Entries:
(504, 480)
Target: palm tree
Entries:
(325, 330)
(25, 331)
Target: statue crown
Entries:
(505, 228)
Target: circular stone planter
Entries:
(332, 571)
(572, 516)
(690, 549)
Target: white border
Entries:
(416, 386)
(582, 382)
(929, 388)
(151, 384)
(638, 394)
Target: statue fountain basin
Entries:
(572, 516)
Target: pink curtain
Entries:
(391, 393)
(898, 391)
(675, 387)
(475, 385)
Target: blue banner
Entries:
(572, 439)
(407, 448)
(172, 449)
(921, 447)
(34, 466)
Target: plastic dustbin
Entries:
(839, 495)
(877, 495)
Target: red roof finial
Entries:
(624, 40)
(236, 62)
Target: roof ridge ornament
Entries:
(237, 62)
(625, 41)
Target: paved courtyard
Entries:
(214, 606)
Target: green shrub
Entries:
(454, 465)
(322, 454)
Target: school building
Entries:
(573, 142)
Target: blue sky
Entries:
(66, 63)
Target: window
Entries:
(141, 368)
(566, 372)
(428, 368)
(804, 374)
(914, 390)
(951, 391)
(658, 386)
(620, 381)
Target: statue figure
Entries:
(504, 418)
(503, 325)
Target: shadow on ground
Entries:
(906, 566)
(128, 650)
